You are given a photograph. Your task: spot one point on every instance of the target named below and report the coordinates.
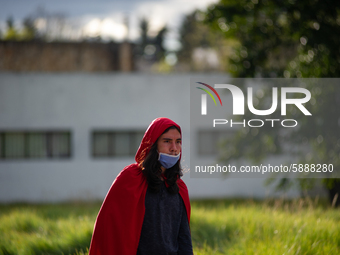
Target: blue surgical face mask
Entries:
(168, 161)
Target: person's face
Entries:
(170, 142)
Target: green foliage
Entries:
(28, 33)
(217, 227)
(286, 39)
(195, 34)
(11, 33)
(280, 38)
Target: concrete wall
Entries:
(82, 102)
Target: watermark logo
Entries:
(276, 117)
(239, 100)
(204, 97)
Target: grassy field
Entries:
(218, 227)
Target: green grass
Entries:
(265, 228)
(217, 227)
(46, 229)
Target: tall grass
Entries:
(265, 228)
(217, 227)
(46, 229)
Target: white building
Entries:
(54, 130)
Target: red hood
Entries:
(156, 128)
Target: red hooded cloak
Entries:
(119, 222)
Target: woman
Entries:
(147, 209)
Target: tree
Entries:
(11, 33)
(195, 34)
(151, 48)
(280, 38)
(51, 27)
(29, 31)
(144, 28)
(159, 41)
(286, 39)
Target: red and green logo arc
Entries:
(209, 93)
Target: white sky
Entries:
(105, 17)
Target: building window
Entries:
(115, 143)
(210, 141)
(35, 144)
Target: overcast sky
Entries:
(106, 16)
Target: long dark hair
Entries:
(152, 170)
